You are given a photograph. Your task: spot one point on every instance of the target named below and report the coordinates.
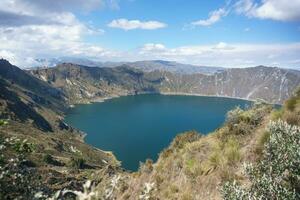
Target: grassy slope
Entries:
(196, 167)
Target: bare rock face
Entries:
(83, 84)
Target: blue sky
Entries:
(231, 33)
(178, 15)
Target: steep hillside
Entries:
(271, 84)
(39, 152)
(84, 84)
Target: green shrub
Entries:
(47, 158)
(234, 116)
(22, 146)
(77, 162)
(166, 153)
(242, 128)
(146, 167)
(242, 121)
(3, 122)
(276, 176)
(184, 138)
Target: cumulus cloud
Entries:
(280, 10)
(153, 47)
(223, 46)
(213, 18)
(126, 24)
(31, 29)
(54, 6)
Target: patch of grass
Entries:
(215, 159)
(290, 104)
(264, 138)
(232, 151)
(187, 196)
(193, 168)
(158, 179)
(277, 114)
(174, 189)
(292, 118)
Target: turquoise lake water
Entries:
(138, 127)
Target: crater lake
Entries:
(138, 127)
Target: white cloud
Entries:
(22, 41)
(247, 29)
(153, 47)
(27, 6)
(281, 10)
(214, 17)
(220, 54)
(226, 55)
(223, 46)
(126, 24)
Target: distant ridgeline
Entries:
(84, 84)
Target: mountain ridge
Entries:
(268, 83)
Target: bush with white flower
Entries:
(277, 175)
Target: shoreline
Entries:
(103, 99)
(205, 95)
